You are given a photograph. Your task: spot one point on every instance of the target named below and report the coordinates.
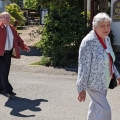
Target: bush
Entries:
(12, 20)
(88, 16)
(62, 34)
(15, 12)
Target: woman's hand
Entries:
(82, 96)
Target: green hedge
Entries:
(62, 35)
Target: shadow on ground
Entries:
(33, 52)
(19, 105)
(75, 69)
(71, 69)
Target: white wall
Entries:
(1, 4)
(115, 26)
(88, 5)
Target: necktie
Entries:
(110, 58)
(8, 38)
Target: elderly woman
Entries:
(95, 69)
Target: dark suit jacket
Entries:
(17, 41)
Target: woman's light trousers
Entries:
(99, 108)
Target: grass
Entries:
(44, 61)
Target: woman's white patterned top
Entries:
(91, 64)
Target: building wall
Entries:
(115, 26)
(88, 5)
(3, 4)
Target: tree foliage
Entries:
(63, 31)
(31, 4)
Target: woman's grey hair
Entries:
(100, 17)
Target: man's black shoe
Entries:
(12, 93)
(9, 95)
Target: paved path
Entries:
(47, 93)
(44, 96)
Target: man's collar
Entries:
(6, 25)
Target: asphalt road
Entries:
(46, 96)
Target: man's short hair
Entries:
(5, 13)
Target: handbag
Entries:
(13, 52)
(113, 83)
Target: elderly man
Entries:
(10, 42)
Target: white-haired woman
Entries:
(96, 68)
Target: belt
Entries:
(6, 51)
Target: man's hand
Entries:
(82, 96)
(28, 49)
(118, 81)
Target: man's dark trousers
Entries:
(5, 62)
